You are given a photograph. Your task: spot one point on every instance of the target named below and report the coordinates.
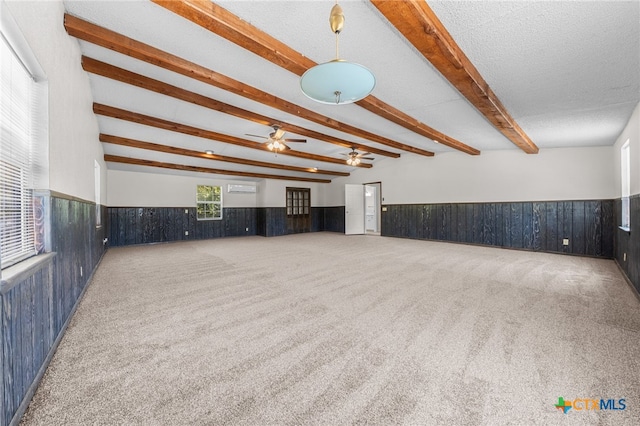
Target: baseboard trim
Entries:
(26, 400)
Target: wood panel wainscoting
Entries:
(143, 225)
(628, 242)
(538, 226)
(38, 302)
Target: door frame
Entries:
(298, 222)
(379, 199)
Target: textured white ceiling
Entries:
(567, 71)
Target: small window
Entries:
(209, 202)
(625, 179)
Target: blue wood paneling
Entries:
(317, 219)
(627, 242)
(35, 310)
(143, 225)
(527, 226)
(275, 221)
(537, 226)
(334, 219)
(578, 233)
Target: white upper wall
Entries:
(274, 192)
(630, 133)
(142, 189)
(137, 189)
(73, 129)
(493, 176)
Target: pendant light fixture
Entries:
(337, 81)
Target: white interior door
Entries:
(354, 209)
(371, 210)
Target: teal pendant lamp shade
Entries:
(338, 81)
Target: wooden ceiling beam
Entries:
(149, 163)
(220, 21)
(103, 37)
(134, 117)
(133, 143)
(417, 22)
(115, 73)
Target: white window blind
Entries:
(16, 147)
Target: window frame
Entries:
(97, 175)
(18, 162)
(625, 186)
(211, 203)
(38, 141)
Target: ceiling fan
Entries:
(355, 157)
(275, 141)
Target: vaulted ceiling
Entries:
(173, 79)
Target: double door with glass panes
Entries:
(298, 210)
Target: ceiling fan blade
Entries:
(364, 153)
(367, 158)
(286, 146)
(295, 140)
(255, 136)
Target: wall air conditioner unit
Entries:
(244, 189)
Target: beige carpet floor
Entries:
(327, 329)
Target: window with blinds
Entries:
(16, 149)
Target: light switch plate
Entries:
(565, 242)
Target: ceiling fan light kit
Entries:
(275, 141)
(276, 146)
(337, 82)
(353, 161)
(355, 158)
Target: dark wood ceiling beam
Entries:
(100, 36)
(417, 22)
(133, 143)
(110, 71)
(149, 163)
(225, 24)
(134, 117)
